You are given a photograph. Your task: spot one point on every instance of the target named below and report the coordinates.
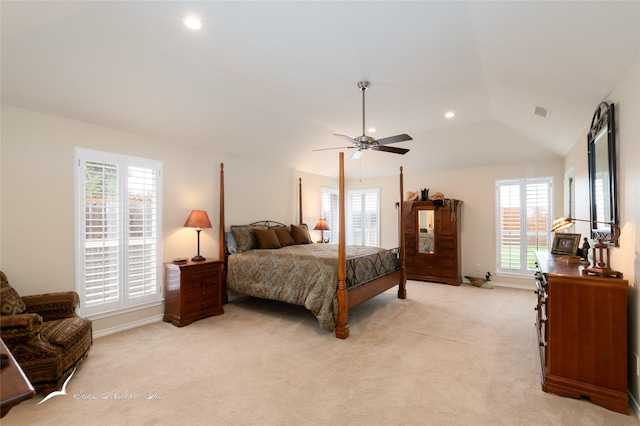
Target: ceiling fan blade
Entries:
(357, 154)
(338, 147)
(394, 139)
(392, 149)
(353, 141)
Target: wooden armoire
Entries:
(432, 241)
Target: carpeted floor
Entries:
(444, 356)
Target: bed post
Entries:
(342, 322)
(221, 243)
(221, 253)
(300, 201)
(402, 288)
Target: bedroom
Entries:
(36, 144)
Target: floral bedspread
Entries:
(304, 275)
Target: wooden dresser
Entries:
(432, 241)
(582, 331)
(15, 385)
(192, 290)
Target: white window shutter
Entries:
(524, 222)
(118, 232)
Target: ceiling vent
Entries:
(542, 112)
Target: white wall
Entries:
(626, 258)
(37, 216)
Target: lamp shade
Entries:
(321, 225)
(198, 219)
(560, 223)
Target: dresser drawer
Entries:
(446, 242)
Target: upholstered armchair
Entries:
(44, 334)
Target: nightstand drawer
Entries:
(197, 305)
(199, 280)
(209, 292)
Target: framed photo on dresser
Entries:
(564, 243)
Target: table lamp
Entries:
(321, 226)
(601, 253)
(198, 219)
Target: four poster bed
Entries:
(269, 260)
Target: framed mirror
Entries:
(601, 149)
(425, 231)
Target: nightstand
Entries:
(192, 290)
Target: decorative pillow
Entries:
(244, 237)
(230, 242)
(300, 234)
(284, 236)
(267, 238)
(10, 301)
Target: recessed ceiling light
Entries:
(450, 114)
(192, 22)
(371, 130)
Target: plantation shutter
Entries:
(524, 223)
(142, 231)
(330, 210)
(118, 256)
(363, 210)
(102, 234)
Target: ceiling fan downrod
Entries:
(363, 85)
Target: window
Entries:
(118, 232)
(524, 223)
(363, 217)
(330, 209)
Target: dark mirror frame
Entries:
(603, 121)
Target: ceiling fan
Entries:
(364, 142)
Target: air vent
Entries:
(542, 112)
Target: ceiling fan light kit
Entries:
(364, 142)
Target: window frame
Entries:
(526, 255)
(125, 301)
(351, 232)
(329, 210)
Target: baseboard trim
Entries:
(512, 285)
(635, 407)
(127, 326)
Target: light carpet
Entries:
(444, 356)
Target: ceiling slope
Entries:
(275, 80)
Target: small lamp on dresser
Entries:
(198, 219)
(601, 254)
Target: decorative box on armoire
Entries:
(192, 290)
(432, 241)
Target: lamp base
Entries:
(198, 258)
(602, 272)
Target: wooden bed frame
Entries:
(346, 298)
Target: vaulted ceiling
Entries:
(275, 80)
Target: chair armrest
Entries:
(13, 326)
(21, 334)
(53, 306)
